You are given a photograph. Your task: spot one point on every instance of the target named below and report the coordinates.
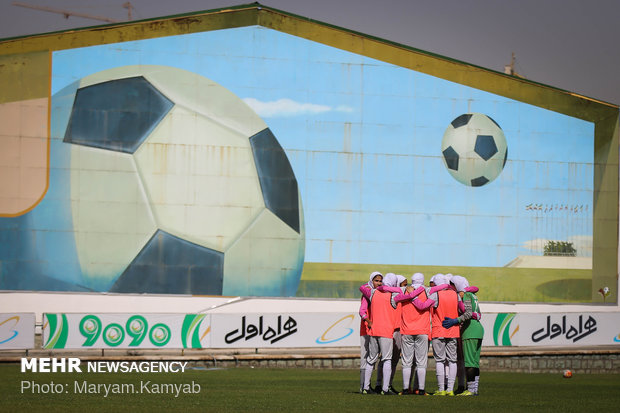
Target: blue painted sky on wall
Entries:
(364, 139)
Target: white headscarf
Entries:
(400, 279)
(390, 279)
(448, 277)
(460, 283)
(438, 279)
(372, 276)
(417, 280)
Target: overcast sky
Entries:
(569, 44)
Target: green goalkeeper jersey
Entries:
(471, 328)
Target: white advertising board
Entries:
(554, 329)
(17, 330)
(263, 330)
(108, 330)
(285, 330)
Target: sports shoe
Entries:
(439, 393)
(449, 393)
(377, 389)
(368, 391)
(421, 393)
(388, 393)
(392, 389)
(406, 392)
(466, 393)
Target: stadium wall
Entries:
(332, 323)
(354, 125)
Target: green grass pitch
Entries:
(321, 390)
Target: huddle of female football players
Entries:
(399, 321)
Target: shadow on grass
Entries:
(327, 288)
(572, 289)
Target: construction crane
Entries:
(510, 68)
(129, 7)
(68, 13)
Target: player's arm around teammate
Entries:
(415, 329)
(472, 333)
(375, 280)
(382, 315)
(444, 338)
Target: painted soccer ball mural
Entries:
(474, 149)
(177, 186)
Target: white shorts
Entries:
(444, 349)
(415, 347)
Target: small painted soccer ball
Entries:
(474, 149)
(567, 374)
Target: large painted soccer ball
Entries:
(474, 149)
(177, 186)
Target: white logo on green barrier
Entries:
(58, 330)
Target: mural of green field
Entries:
(496, 284)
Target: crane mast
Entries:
(68, 13)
